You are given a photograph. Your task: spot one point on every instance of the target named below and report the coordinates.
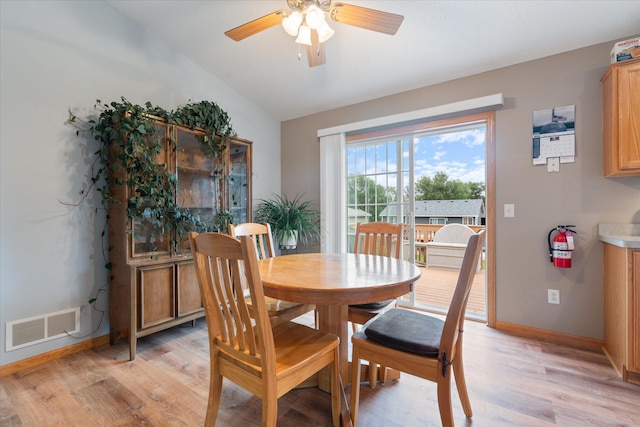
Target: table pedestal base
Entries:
(389, 375)
(380, 376)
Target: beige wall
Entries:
(578, 194)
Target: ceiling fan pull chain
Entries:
(299, 52)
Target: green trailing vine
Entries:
(127, 156)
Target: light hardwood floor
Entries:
(435, 289)
(512, 382)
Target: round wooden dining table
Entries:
(334, 281)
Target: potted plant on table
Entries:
(291, 220)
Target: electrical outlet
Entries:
(554, 296)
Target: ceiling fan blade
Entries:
(366, 18)
(315, 51)
(250, 28)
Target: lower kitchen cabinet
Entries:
(622, 310)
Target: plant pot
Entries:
(289, 240)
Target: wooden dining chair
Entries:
(375, 238)
(267, 361)
(421, 345)
(279, 310)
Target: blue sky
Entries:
(461, 155)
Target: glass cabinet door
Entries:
(198, 188)
(239, 181)
(147, 239)
(205, 187)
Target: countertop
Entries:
(621, 235)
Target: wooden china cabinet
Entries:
(153, 281)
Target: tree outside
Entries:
(363, 193)
(441, 187)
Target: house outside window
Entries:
(437, 221)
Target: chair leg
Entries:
(461, 383)
(336, 393)
(355, 384)
(269, 410)
(373, 374)
(444, 399)
(215, 391)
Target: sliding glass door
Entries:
(424, 178)
(377, 183)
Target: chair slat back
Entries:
(455, 316)
(226, 266)
(378, 238)
(259, 233)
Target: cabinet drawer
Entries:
(156, 294)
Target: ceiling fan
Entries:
(306, 21)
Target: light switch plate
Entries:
(509, 210)
(553, 164)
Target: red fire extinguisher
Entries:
(562, 247)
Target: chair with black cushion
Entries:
(244, 347)
(263, 239)
(421, 345)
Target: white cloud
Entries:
(474, 175)
(458, 154)
(470, 138)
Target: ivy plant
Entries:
(127, 156)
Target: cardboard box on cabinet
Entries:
(624, 50)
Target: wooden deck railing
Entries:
(424, 233)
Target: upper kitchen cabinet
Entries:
(621, 118)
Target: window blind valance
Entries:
(412, 118)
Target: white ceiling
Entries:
(438, 41)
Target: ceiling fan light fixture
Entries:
(314, 17)
(291, 23)
(304, 35)
(325, 32)
(306, 22)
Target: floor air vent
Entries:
(34, 330)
